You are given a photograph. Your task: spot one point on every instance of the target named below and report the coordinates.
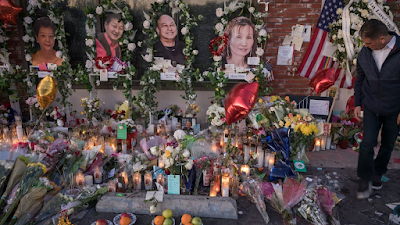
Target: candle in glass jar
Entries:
(137, 181)
(160, 179)
(206, 178)
(89, 180)
(225, 185)
(271, 160)
(148, 181)
(317, 145)
(80, 180)
(125, 176)
(111, 186)
(214, 146)
(246, 153)
(97, 175)
(217, 182)
(160, 162)
(213, 193)
(245, 170)
(260, 155)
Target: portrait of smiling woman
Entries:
(107, 42)
(242, 42)
(44, 30)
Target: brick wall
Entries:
(282, 15)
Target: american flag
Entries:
(313, 60)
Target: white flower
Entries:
(28, 20)
(59, 54)
(251, 9)
(98, 82)
(340, 34)
(339, 11)
(33, 2)
(148, 58)
(99, 10)
(179, 134)
(26, 38)
(186, 154)
(260, 52)
(128, 26)
(219, 12)
(334, 37)
(201, 79)
(89, 42)
(217, 58)
(90, 16)
(160, 1)
(131, 46)
(262, 33)
(146, 24)
(184, 30)
(139, 44)
(189, 164)
(69, 85)
(28, 57)
(154, 150)
(153, 209)
(364, 13)
(220, 85)
(115, 88)
(355, 61)
(195, 52)
(219, 27)
(89, 64)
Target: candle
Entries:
(246, 153)
(235, 187)
(225, 185)
(160, 162)
(148, 181)
(214, 146)
(111, 186)
(80, 180)
(323, 142)
(317, 146)
(125, 176)
(271, 160)
(97, 176)
(245, 170)
(213, 193)
(217, 181)
(328, 142)
(160, 179)
(89, 180)
(137, 181)
(260, 155)
(206, 178)
(124, 146)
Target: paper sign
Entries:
(103, 75)
(237, 76)
(287, 41)
(168, 76)
(297, 31)
(319, 107)
(299, 166)
(240, 70)
(196, 128)
(229, 68)
(42, 74)
(285, 55)
(327, 128)
(253, 60)
(174, 184)
(249, 77)
(329, 49)
(122, 131)
(307, 33)
(96, 148)
(297, 42)
(159, 195)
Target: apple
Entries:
(125, 215)
(101, 222)
(196, 221)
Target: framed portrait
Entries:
(333, 91)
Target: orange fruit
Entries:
(159, 220)
(186, 218)
(188, 224)
(125, 221)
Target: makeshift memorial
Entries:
(53, 207)
(310, 209)
(252, 190)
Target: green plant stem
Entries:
(10, 210)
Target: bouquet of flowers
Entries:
(53, 206)
(216, 115)
(302, 138)
(310, 209)
(5, 170)
(32, 174)
(191, 110)
(253, 191)
(34, 106)
(350, 126)
(117, 115)
(90, 106)
(87, 196)
(57, 114)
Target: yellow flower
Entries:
(314, 128)
(274, 98)
(260, 100)
(288, 123)
(216, 89)
(119, 111)
(167, 153)
(256, 79)
(298, 126)
(298, 116)
(306, 130)
(82, 112)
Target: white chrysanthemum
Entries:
(128, 26)
(219, 27)
(364, 13)
(186, 153)
(148, 58)
(28, 57)
(262, 33)
(69, 85)
(154, 150)
(131, 46)
(260, 52)
(89, 42)
(59, 54)
(153, 209)
(179, 134)
(184, 30)
(160, 1)
(90, 16)
(339, 11)
(189, 164)
(217, 58)
(219, 12)
(26, 38)
(195, 52)
(28, 20)
(146, 24)
(251, 9)
(99, 10)
(355, 61)
(340, 34)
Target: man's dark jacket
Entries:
(378, 91)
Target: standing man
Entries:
(107, 42)
(377, 88)
(168, 47)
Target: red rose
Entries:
(167, 172)
(7, 105)
(355, 144)
(354, 120)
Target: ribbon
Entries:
(382, 16)
(346, 31)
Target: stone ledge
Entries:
(202, 206)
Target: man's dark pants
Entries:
(367, 166)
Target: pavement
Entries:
(343, 163)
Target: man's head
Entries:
(374, 34)
(166, 27)
(114, 26)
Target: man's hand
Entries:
(398, 119)
(357, 114)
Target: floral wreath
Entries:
(217, 77)
(62, 73)
(359, 14)
(126, 44)
(150, 81)
(5, 83)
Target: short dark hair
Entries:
(43, 22)
(111, 16)
(373, 29)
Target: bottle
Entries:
(163, 129)
(121, 184)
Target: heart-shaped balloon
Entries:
(322, 80)
(46, 91)
(240, 101)
(9, 11)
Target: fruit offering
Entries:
(101, 222)
(165, 219)
(125, 220)
(196, 221)
(186, 219)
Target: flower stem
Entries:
(10, 210)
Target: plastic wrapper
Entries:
(280, 143)
(267, 189)
(97, 162)
(52, 207)
(15, 176)
(310, 209)
(253, 191)
(58, 145)
(30, 213)
(293, 192)
(5, 170)
(282, 170)
(327, 203)
(153, 141)
(35, 194)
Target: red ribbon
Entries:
(104, 59)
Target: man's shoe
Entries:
(377, 182)
(364, 189)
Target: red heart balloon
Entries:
(240, 101)
(8, 11)
(322, 80)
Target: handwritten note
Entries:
(319, 107)
(174, 184)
